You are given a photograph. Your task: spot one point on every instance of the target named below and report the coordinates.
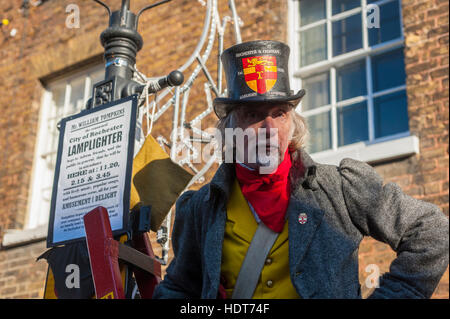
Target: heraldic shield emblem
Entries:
(260, 72)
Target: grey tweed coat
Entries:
(343, 204)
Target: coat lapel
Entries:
(213, 250)
(221, 187)
(302, 201)
(300, 235)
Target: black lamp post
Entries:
(122, 42)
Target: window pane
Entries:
(58, 98)
(389, 23)
(344, 5)
(388, 70)
(76, 103)
(351, 81)
(317, 91)
(313, 45)
(391, 114)
(311, 11)
(95, 78)
(320, 132)
(56, 105)
(352, 124)
(347, 34)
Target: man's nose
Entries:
(268, 122)
(269, 125)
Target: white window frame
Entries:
(386, 148)
(36, 224)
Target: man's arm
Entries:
(417, 231)
(183, 277)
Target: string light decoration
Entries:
(186, 135)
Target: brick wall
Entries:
(44, 46)
(20, 275)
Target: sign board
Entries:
(93, 168)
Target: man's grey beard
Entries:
(262, 151)
(268, 159)
(248, 147)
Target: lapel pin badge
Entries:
(302, 218)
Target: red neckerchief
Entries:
(268, 194)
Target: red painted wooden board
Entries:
(103, 255)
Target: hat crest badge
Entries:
(260, 72)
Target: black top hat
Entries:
(256, 72)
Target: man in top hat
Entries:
(272, 223)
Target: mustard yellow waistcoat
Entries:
(274, 282)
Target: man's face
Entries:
(272, 128)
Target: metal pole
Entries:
(123, 12)
(125, 5)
